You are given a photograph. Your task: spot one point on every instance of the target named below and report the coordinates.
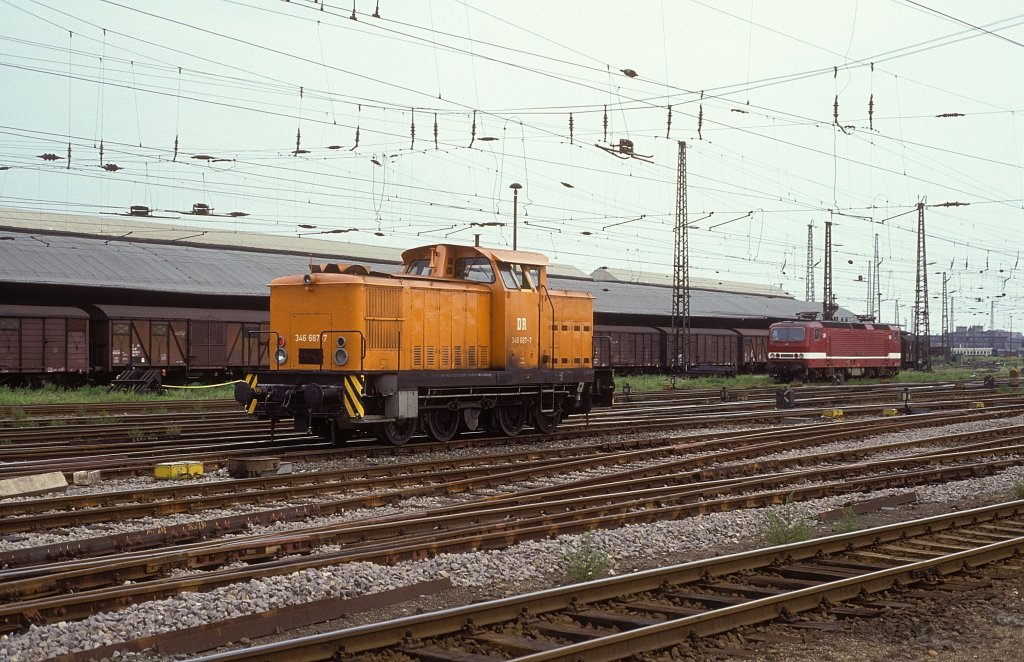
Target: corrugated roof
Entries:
(199, 231)
(58, 259)
(721, 285)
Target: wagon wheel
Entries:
(396, 432)
(510, 420)
(441, 424)
(545, 422)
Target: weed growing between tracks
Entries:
(783, 525)
(1018, 489)
(586, 561)
(848, 523)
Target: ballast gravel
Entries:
(503, 572)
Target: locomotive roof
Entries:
(501, 255)
(838, 324)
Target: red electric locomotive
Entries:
(818, 351)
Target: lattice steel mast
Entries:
(922, 334)
(681, 274)
(809, 279)
(828, 303)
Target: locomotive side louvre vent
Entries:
(430, 355)
(576, 327)
(472, 356)
(565, 327)
(417, 356)
(586, 327)
(576, 360)
(446, 357)
(586, 360)
(383, 317)
(482, 357)
(554, 327)
(565, 360)
(458, 357)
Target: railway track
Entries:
(133, 446)
(40, 591)
(667, 609)
(47, 513)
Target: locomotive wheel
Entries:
(441, 424)
(510, 420)
(545, 422)
(396, 432)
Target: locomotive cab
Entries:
(463, 338)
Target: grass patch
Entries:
(1018, 489)
(848, 523)
(173, 431)
(17, 397)
(586, 561)
(137, 434)
(783, 525)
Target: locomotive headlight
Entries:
(340, 354)
(800, 355)
(280, 355)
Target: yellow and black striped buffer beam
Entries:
(251, 380)
(352, 395)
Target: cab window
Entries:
(419, 268)
(534, 276)
(788, 334)
(511, 275)
(817, 334)
(475, 269)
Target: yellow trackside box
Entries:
(178, 469)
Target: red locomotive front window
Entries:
(788, 334)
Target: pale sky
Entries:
(792, 112)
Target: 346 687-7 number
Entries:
(307, 337)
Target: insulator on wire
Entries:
(298, 142)
(871, 112)
(175, 157)
(668, 127)
(570, 129)
(69, 155)
(606, 123)
(412, 129)
(101, 152)
(700, 121)
(357, 139)
(472, 135)
(835, 111)
(435, 130)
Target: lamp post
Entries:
(515, 186)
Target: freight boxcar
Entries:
(186, 343)
(42, 344)
(648, 349)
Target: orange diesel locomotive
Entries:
(464, 338)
